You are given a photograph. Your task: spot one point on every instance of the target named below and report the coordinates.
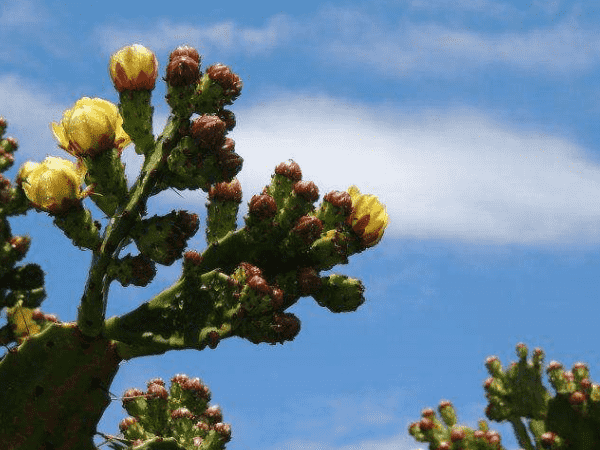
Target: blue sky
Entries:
(474, 121)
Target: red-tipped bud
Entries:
(158, 381)
(9, 144)
(548, 439)
(199, 388)
(444, 445)
(202, 426)
(308, 280)
(307, 190)
(259, 285)
(182, 71)
(226, 191)
(20, 244)
(289, 169)
(341, 199)
(157, 391)
(185, 50)
(224, 430)
(457, 434)
(36, 314)
(229, 81)
(51, 318)
(208, 131)
(262, 206)
(126, 423)
(426, 424)
(192, 257)
(197, 441)
(577, 398)
(181, 413)
(286, 325)
(428, 412)
(213, 414)
(131, 394)
(180, 379)
(213, 339)
(554, 365)
(250, 270)
(308, 228)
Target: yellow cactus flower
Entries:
(133, 68)
(92, 126)
(369, 217)
(54, 184)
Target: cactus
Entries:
(56, 376)
(568, 421)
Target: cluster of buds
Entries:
(137, 270)
(180, 414)
(519, 393)
(21, 287)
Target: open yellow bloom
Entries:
(369, 217)
(54, 184)
(133, 68)
(92, 126)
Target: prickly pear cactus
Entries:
(241, 284)
(570, 420)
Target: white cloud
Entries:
(21, 13)
(224, 36)
(452, 174)
(352, 37)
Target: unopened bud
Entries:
(289, 169)
(262, 206)
(208, 131)
(182, 71)
(229, 82)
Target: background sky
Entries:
(474, 121)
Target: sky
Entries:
(474, 121)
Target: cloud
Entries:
(224, 37)
(452, 174)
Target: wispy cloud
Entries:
(354, 37)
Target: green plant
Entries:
(55, 376)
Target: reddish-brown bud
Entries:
(286, 325)
(126, 423)
(199, 388)
(185, 50)
(308, 228)
(577, 398)
(9, 144)
(226, 191)
(180, 379)
(202, 426)
(182, 71)
(457, 434)
(428, 412)
(444, 445)
(548, 439)
(213, 339)
(289, 169)
(155, 390)
(307, 190)
(426, 424)
(262, 206)
(229, 81)
(37, 314)
(224, 430)
(554, 365)
(208, 131)
(341, 199)
(143, 269)
(259, 285)
(250, 270)
(308, 280)
(131, 394)
(51, 318)
(192, 257)
(181, 413)
(213, 414)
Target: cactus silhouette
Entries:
(56, 375)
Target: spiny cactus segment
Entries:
(178, 418)
(568, 421)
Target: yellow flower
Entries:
(368, 218)
(53, 185)
(93, 125)
(133, 68)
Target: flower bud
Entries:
(308, 280)
(341, 199)
(308, 190)
(53, 185)
(229, 81)
(185, 50)
(208, 131)
(133, 68)
(308, 228)
(92, 126)
(262, 206)
(224, 430)
(369, 217)
(289, 169)
(226, 191)
(182, 71)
